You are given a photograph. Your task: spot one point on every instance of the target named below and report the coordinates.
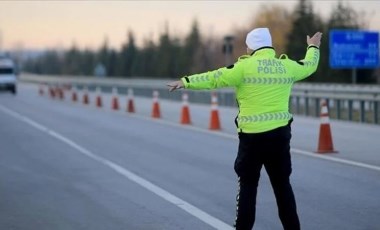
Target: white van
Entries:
(8, 80)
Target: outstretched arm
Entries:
(223, 77)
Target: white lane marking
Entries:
(234, 137)
(189, 208)
(339, 160)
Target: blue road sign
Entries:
(354, 49)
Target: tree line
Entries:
(173, 57)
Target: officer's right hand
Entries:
(315, 40)
(174, 85)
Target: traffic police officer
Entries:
(262, 85)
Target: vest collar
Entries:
(264, 50)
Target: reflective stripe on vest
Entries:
(205, 77)
(265, 117)
(268, 80)
(200, 78)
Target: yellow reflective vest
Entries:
(262, 85)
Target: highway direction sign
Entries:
(354, 49)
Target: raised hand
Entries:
(315, 40)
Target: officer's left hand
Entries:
(175, 85)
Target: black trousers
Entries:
(271, 149)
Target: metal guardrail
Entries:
(357, 103)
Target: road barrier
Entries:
(51, 92)
(60, 93)
(86, 99)
(131, 104)
(185, 111)
(156, 113)
(99, 102)
(359, 103)
(115, 99)
(74, 96)
(325, 141)
(214, 116)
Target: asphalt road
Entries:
(70, 166)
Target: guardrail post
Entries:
(350, 110)
(317, 110)
(362, 111)
(298, 104)
(376, 112)
(306, 106)
(338, 112)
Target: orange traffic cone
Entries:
(130, 105)
(185, 113)
(214, 118)
(98, 97)
(86, 99)
(60, 93)
(56, 92)
(115, 101)
(156, 106)
(52, 92)
(325, 144)
(74, 96)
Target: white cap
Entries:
(257, 38)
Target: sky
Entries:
(59, 24)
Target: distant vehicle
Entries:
(8, 80)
